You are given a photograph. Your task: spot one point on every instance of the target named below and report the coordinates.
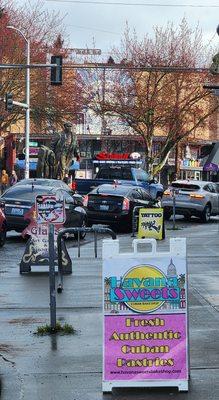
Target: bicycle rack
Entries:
(95, 230)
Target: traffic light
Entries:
(56, 72)
(9, 102)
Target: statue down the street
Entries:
(214, 68)
(55, 161)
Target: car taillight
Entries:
(85, 200)
(167, 193)
(196, 196)
(73, 185)
(125, 204)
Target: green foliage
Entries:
(65, 329)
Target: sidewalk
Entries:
(70, 367)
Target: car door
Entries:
(213, 197)
(139, 198)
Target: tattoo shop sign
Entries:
(145, 342)
(151, 223)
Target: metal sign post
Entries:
(174, 210)
(52, 277)
(174, 192)
(51, 210)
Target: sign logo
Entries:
(144, 288)
(50, 209)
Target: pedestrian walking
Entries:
(4, 181)
(13, 178)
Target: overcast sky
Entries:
(105, 23)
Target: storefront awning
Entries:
(21, 164)
(33, 165)
(212, 162)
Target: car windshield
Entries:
(24, 193)
(42, 182)
(140, 175)
(115, 172)
(185, 186)
(119, 190)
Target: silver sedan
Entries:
(192, 198)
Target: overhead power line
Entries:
(106, 67)
(109, 3)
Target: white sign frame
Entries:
(112, 257)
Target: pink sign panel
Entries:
(139, 347)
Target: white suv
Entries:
(192, 198)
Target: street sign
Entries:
(50, 209)
(86, 52)
(33, 144)
(145, 323)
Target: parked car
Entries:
(19, 199)
(124, 174)
(3, 228)
(113, 204)
(193, 198)
(56, 183)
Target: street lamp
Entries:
(27, 119)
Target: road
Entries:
(70, 367)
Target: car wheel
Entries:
(3, 236)
(81, 234)
(206, 214)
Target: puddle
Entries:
(27, 321)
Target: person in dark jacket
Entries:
(13, 178)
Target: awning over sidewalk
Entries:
(212, 162)
(33, 165)
(21, 164)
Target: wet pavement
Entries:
(70, 367)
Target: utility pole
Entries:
(27, 105)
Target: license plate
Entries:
(104, 207)
(17, 211)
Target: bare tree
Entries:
(49, 104)
(157, 89)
